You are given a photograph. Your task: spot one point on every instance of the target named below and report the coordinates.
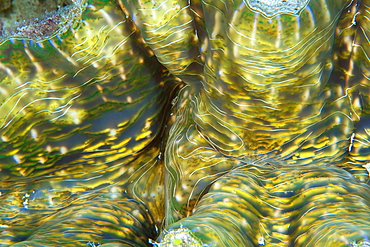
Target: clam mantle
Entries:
(185, 123)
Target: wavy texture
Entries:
(274, 93)
(81, 115)
(286, 207)
(268, 144)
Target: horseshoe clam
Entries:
(206, 123)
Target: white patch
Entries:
(63, 150)
(17, 158)
(34, 134)
(261, 241)
(129, 99)
(178, 198)
(217, 185)
(112, 132)
(272, 8)
(367, 167)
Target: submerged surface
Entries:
(203, 123)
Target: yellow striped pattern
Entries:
(81, 117)
(281, 96)
(266, 144)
